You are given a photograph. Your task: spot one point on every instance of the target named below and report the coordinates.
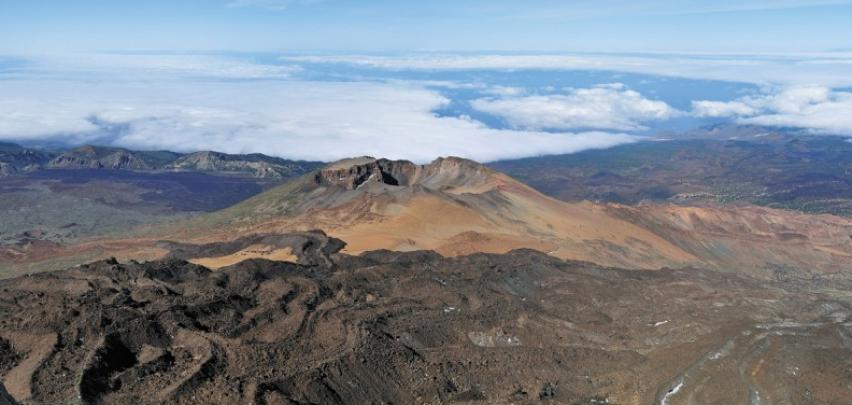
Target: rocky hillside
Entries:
(100, 157)
(255, 165)
(774, 243)
(15, 159)
(391, 327)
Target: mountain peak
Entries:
(352, 173)
(349, 162)
(455, 161)
(94, 150)
(442, 173)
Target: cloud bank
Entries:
(288, 118)
(605, 107)
(816, 108)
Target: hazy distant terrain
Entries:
(806, 173)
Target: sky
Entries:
(755, 26)
(487, 80)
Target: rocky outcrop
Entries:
(255, 164)
(350, 177)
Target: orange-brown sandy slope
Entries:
(735, 237)
(452, 206)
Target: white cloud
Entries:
(504, 91)
(829, 69)
(295, 119)
(810, 107)
(716, 109)
(607, 107)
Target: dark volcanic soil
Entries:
(390, 327)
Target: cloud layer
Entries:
(605, 107)
(295, 119)
(811, 107)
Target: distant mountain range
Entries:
(15, 159)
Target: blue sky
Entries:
(487, 80)
(42, 26)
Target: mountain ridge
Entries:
(102, 157)
(256, 164)
(16, 159)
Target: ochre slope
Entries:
(751, 237)
(453, 206)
